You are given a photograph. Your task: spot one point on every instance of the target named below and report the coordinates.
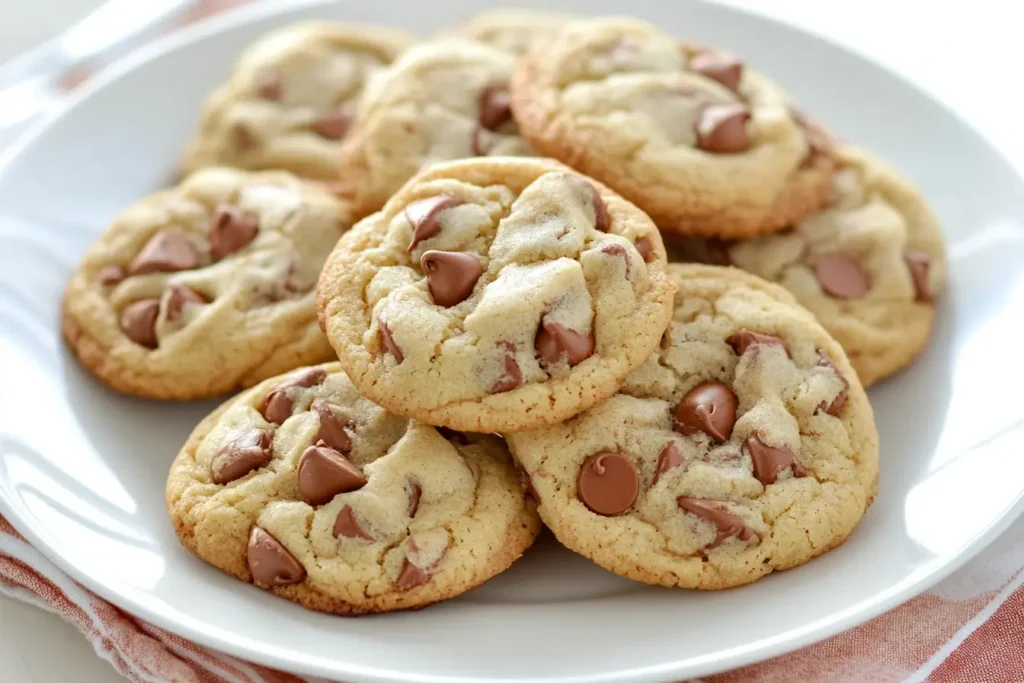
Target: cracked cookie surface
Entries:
(744, 446)
(496, 295)
(207, 287)
(291, 98)
(702, 143)
(305, 488)
(869, 265)
(516, 31)
(441, 101)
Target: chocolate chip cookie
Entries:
(496, 295)
(745, 445)
(306, 489)
(291, 98)
(205, 288)
(701, 142)
(440, 101)
(869, 265)
(516, 31)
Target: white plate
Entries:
(82, 469)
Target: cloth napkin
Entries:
(967, 629)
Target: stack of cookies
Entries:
(439, 271)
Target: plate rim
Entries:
(728, 659)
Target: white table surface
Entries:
(963, 52)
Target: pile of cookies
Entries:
(439, 271)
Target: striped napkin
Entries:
(967, 629)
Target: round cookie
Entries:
(702, 143)
(440, 101)
(744, 446)
(516, 31)
(306, 489)
(291, 97)
(869, 265)
(496, 295)
(207, 287)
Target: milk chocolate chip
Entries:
(556, 342)
(668, 459)
(389, 342)
(495, 110)
(167, 251)
(726, 524)
(230, 231)
(451, 275)
(175, 297)
(709, 408)
(722, 128)
(919, 265)
(422, 215)
(744, 339)
(324, 473)
(513, 376)
(769, 461)
(348, 526)
(719, 66)
(278, 405)
(410, 576)
(842, 277)
(138, 322)
(836, 406)
(414, 492)
(272, 566)
(608, 483)
(334, 124)
(268, 85)
(111, 275)
(248, 451)
(643, 245)
(601, 218)
(332, 427)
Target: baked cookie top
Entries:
(869, 265)
(441, 101)
(496, 295)
(307, 489)
(516, 31)
(291, 98)
(701, 142)
(207, 287)
(743, 446)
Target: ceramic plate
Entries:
(82, 469)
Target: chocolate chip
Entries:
(278, 405)
(332, 427)
(451, 275)
(819, 141)
(769, 461)
(722, 128)
(346, 524)
(839, 401)
(268, 85)
(477, 144)
(495, 110)
(334, 124)
(175, 297)
(643, 245)
(718, 252)
(324, 473)
(668, 459)
(726, 523)
(718, 66)
(167, 251)
(111, 275)
(608, 483)
(230, 230)
(414, 492)
(512, 376)
(919, 264)
(601, 218)
(244, 139)
(272, 566)
(138, 322)
(556, 343)
(422, 215)
(743, 339)
(247, 451)
(410, 576)
(389, 342)
(842, 277)
(709, 408)
(617, 250)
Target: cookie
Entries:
(701, 142)
(306, 489)
(440, 101)
(745, 445)
(496, 295)
(291, 98)
(869, 265)
(516, 31)
(207, 287)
